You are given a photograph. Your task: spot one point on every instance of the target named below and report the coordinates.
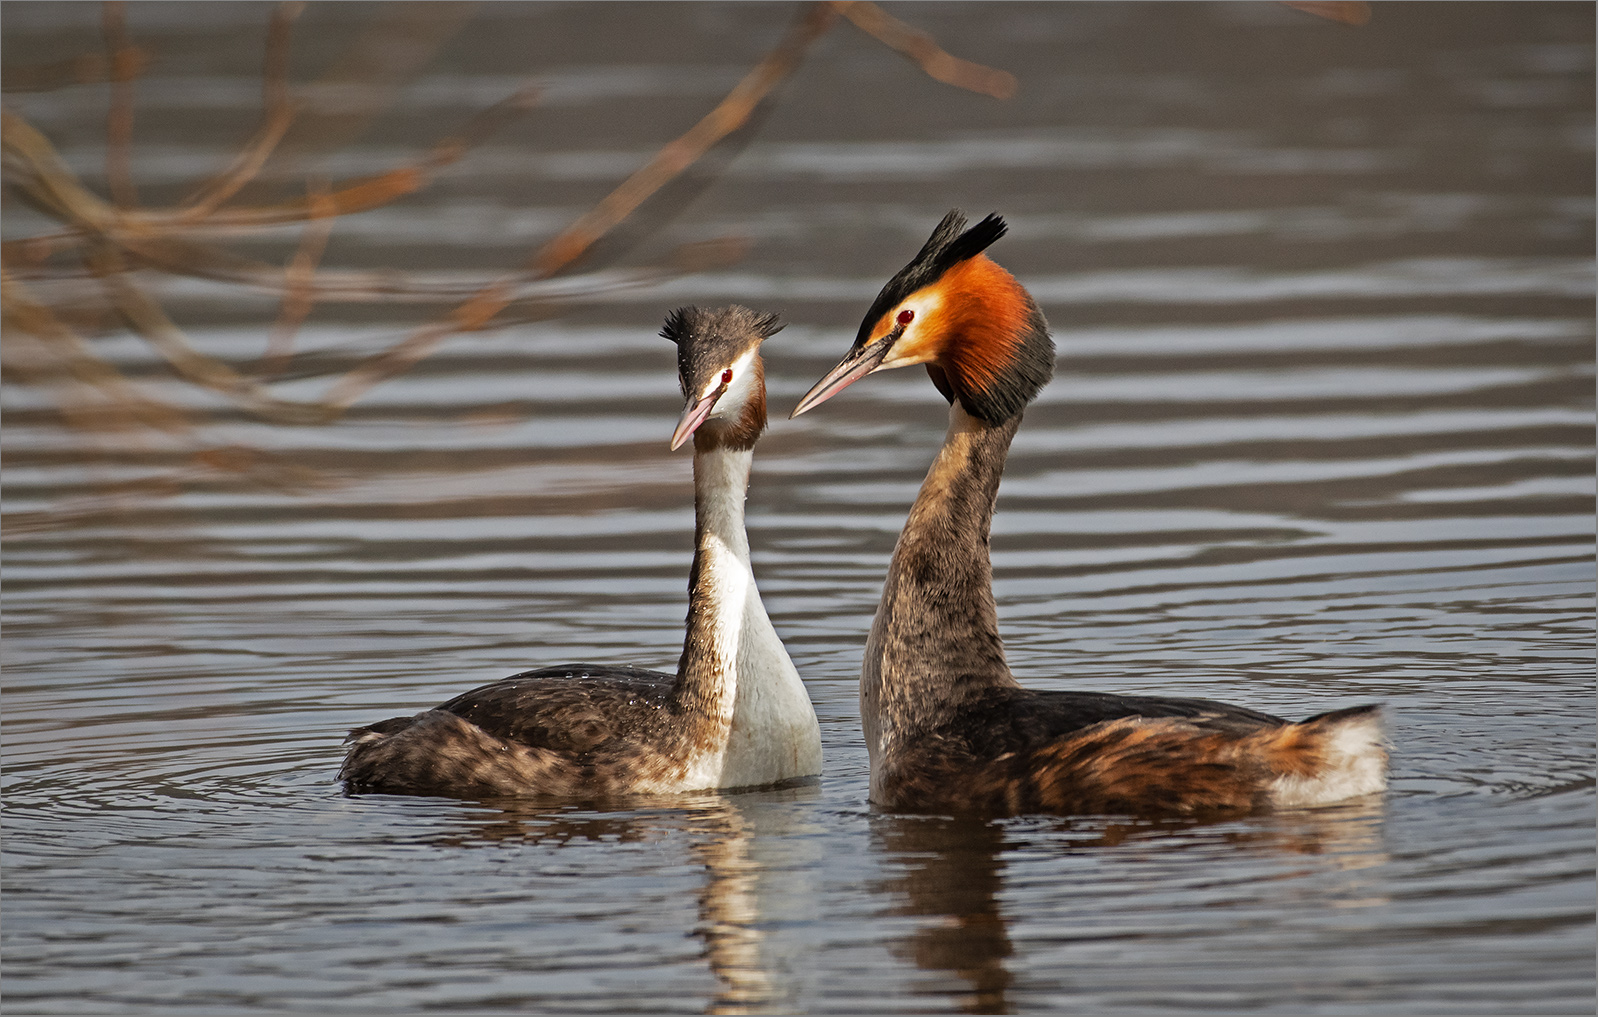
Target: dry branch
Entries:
(84, 69)
(146, 319)
(41, 349)
(924, 51)
(276, 116)
(729, 115)
(299, 284)
(113, 240)
(1347, 12)
(121, 57)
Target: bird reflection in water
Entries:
(729, 914)
(721, 831)
(952, 872)
(950, 869)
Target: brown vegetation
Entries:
(97, 271)
(114, 246)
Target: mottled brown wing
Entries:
(1195, 766)
(1152, 765)
(1017, 720)
(572, 708)
(1132, 764)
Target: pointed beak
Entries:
(855, 365)
(692, 417)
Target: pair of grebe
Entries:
(947, 726)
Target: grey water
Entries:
(1321, 433)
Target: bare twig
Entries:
(925, 52)
(84, 69)
(1348, 12)
(565, 248)
(113, 238)
(155, 237)
(678, 155)
(275, 64)
(40, 174)
(40, 348)
(277, 113)
(178, 257)
(146, 318)
(299, 282)
(124, 66)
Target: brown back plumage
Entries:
(1138, 765)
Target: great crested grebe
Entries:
(947, 726)
(735, 714)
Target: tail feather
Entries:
(1329, 757)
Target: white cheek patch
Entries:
(739, 389)
(910, 347)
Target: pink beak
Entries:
(856, 364)
(693, 416)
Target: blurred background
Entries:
(332, 388)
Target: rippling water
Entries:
(1321, 433)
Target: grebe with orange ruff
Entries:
(947, 726)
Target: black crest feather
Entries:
(676, 327)
(950, 244)
(1031, 362)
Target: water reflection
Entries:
(950, 871)
(1315, 436)
(730, 914)
(747, 845)
(953, 872)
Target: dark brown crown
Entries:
(709, 342)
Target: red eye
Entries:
(726, 376)
(905, 317)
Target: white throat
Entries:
(773, 734)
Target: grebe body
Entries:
(947, 725)
(736, 713)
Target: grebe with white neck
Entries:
(947, 725)
(736, 713)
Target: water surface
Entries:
(1321, 433)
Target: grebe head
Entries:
(981, 335)
(719, 368)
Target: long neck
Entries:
(718, 587)
(935, 640)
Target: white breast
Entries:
(774, 734)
